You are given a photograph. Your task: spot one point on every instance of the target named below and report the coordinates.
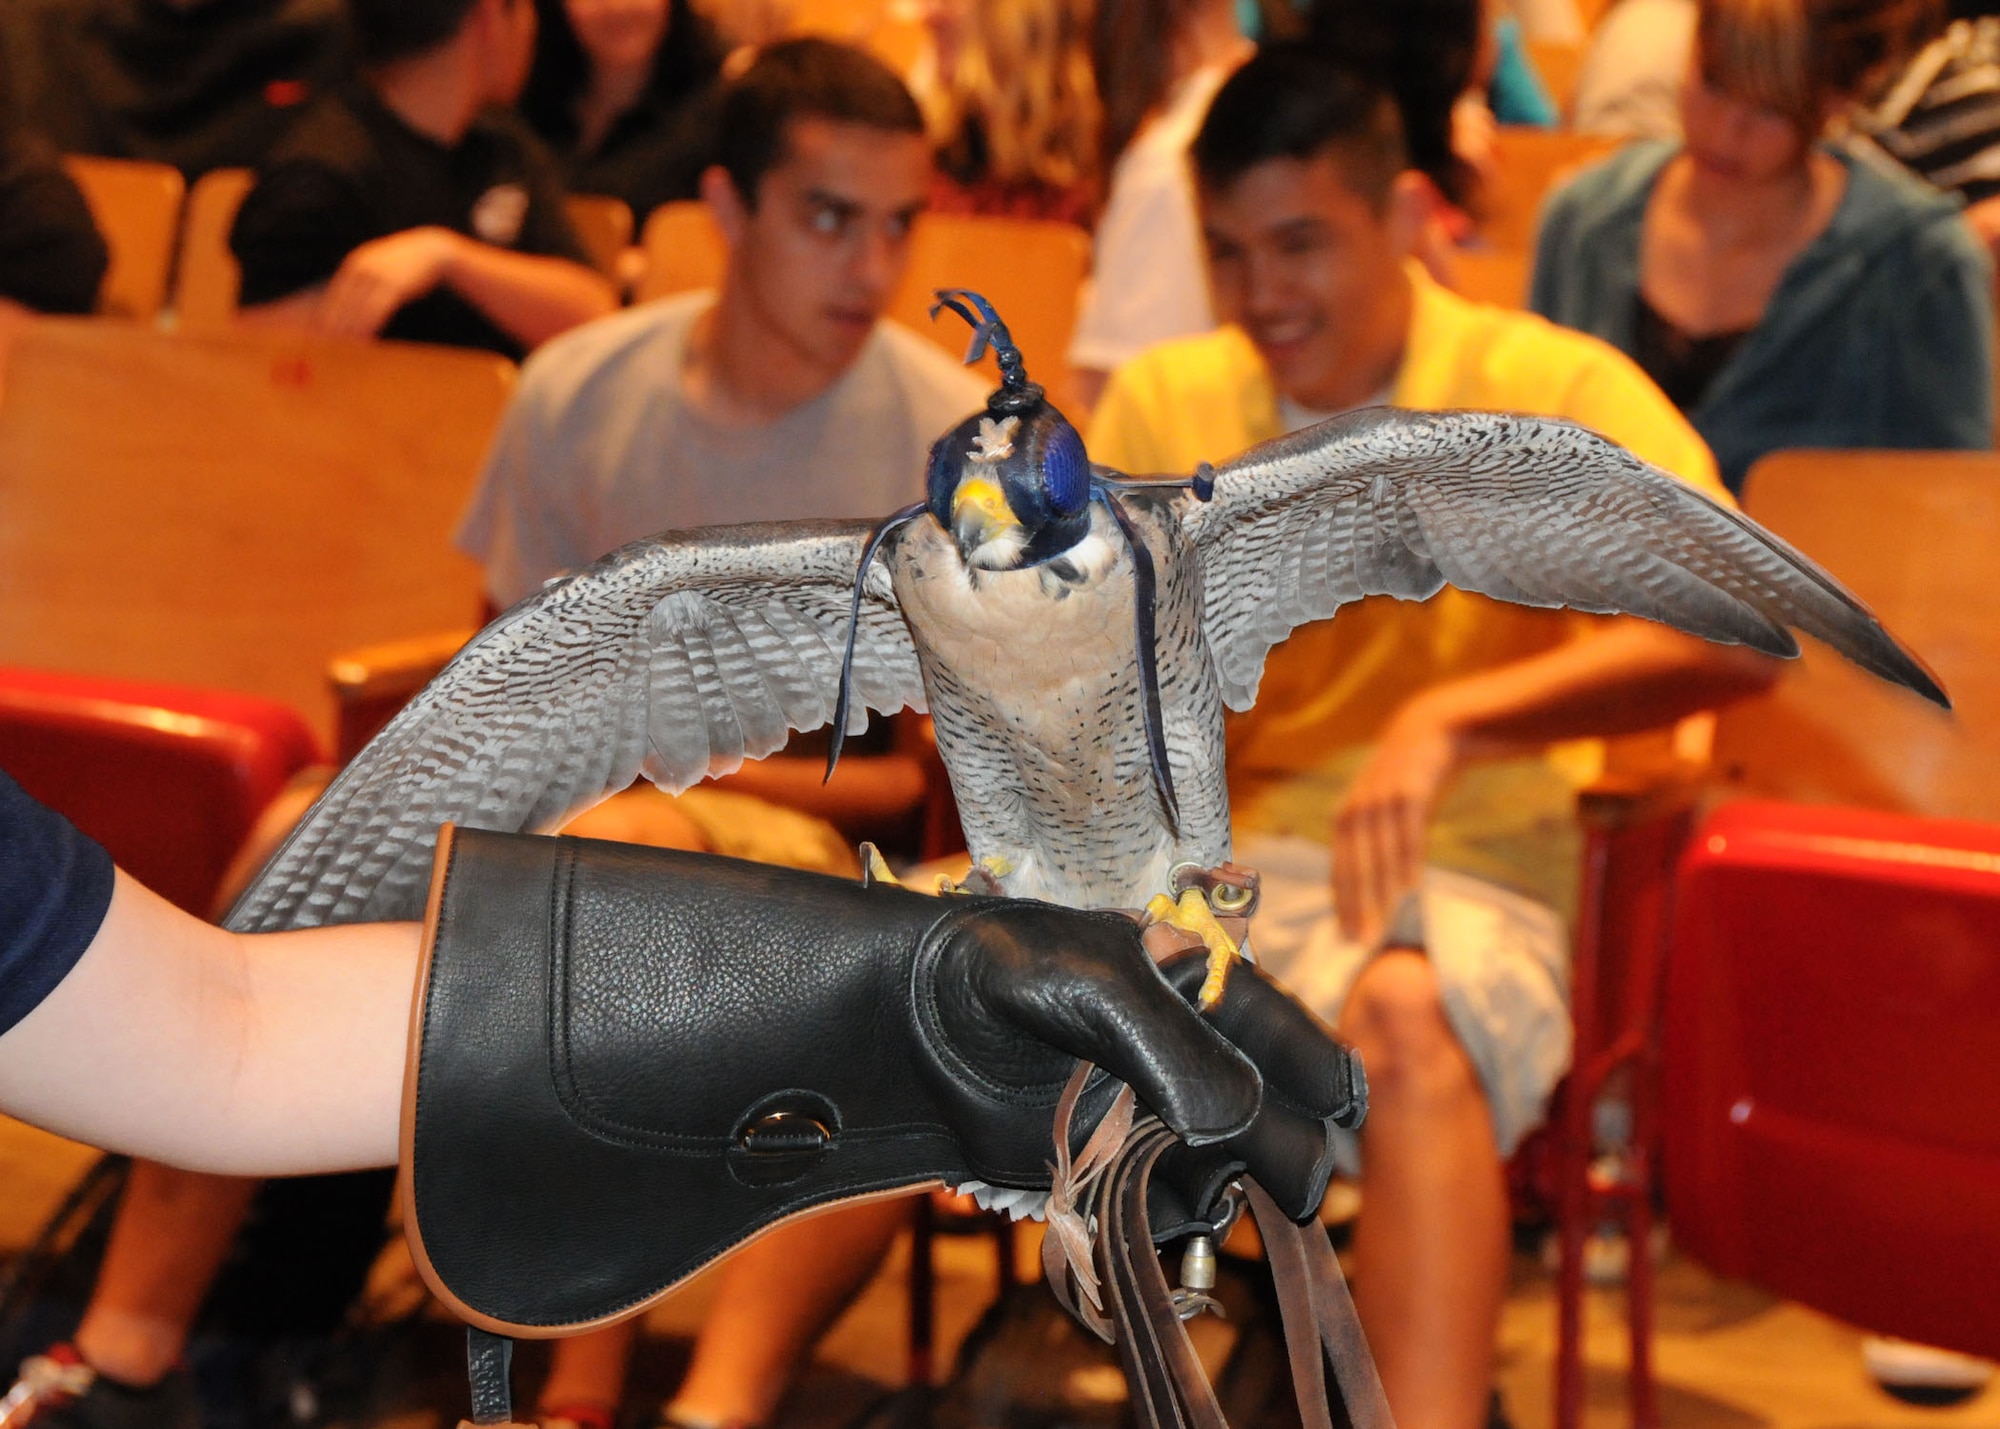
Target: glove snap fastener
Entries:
(781, 1138)
(784, 1133)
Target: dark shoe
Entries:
(58, 1390)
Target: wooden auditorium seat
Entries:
(684, 251)
(1913, 533)
(233, 511)
(206, 279)
(604, 225)
(1558, 62)
(137, 206)
(1032, 271)
(1909, 532)
(1527, 164)
(1493, 275)
(1829, 1126)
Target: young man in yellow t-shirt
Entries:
(1400, 781)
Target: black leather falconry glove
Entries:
(628, 1061)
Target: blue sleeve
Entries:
(55, 885)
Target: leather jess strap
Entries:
(1120, 1292)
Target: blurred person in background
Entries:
(783, 395)
(1398, 785)
(410, 204)
(1436, 57)
(1940, 115)
(1158, 64)
(1629, 85)
(1011, 102)
(52, 257)
(198, 84)
(622, 91)
(1782, 292)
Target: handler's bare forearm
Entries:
(864, 789)
(530, 298)
(181, 1043)
(1630, 675)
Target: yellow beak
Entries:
(979, 511)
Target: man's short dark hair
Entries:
(806, 78)
(386, 30)
(1289, 102)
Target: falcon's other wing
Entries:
(1525, 509)
(675, 657)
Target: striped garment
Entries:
(1942, 117)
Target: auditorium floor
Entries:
(1729, 1357)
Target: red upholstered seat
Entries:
(1830, 1104)
(167, 777)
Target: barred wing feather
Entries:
(1531, 510)
(676, 657)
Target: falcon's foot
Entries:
(982, 878)
(1193, 914)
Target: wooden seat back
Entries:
(1559, 63)
(894, 33)
(1912, 533)
(206, 281)
(1527, 164)
(1031, 271)
(233, 511)
(1492, 275)
(604, 224)
(684, 251)
(137, 206)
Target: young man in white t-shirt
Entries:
(782, 395)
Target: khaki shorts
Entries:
(1502, 964)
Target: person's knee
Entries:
(1395, 1016)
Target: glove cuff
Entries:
(601, 1100)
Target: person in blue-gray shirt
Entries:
(1783, 292)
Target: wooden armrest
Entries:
(393, 665)
(372, 683)
(1646, 777)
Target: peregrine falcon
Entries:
(1075, 634)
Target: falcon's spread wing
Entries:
(1525, 509)
(675, 657)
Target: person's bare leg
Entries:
(171, 1233)
(778, 1296)
(1430, 1247)
(589, 1370)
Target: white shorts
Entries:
(1502, 964)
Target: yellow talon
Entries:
(1193, 915)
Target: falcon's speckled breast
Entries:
(1034, 687)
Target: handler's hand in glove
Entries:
(632, 1060)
